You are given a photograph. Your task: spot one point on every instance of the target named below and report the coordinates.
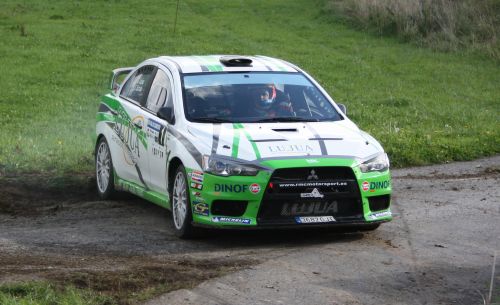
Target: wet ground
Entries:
(438, 250)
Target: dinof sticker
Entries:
(373, 186)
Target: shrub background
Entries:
(440, 24)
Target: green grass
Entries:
(56, 56)
(42, 293)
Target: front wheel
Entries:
(104, 170)
(181, 206)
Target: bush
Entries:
(440, 24)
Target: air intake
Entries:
(236, 61)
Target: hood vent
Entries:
(285, 129)
(269, 140)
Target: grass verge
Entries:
(123, 281)
(423, 106)
(43, 293)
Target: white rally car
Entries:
(238, 141)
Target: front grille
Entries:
(378, 203)
(321, 191)
(323, 173)
(229, 207)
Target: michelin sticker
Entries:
(380, 214)
(244, 221)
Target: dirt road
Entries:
(438, 250)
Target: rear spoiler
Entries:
(117, 77)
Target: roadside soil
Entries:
(438, 250)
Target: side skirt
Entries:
(152, 196)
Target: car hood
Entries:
(251, 141)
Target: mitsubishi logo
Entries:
(313, 175)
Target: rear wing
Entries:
(117, 77)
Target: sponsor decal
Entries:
(290, 148)
(197, 176)
(380, 215)
(130, 158)
(157, 131)
(154, 125)
(313, 175)
(200, 208)
(127, 132)
(314, 219)
(309, 208)
(196, 194)
(255, 188)
(366, 186)
(314, 194)
(373, 186)
(313, 184)
(312, 161)
(245, 221)
(231, 188)
(379, 185)
(197, 186)
(158, 151)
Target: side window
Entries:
(159, 93)
(138, 85)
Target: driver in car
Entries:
(270, 102)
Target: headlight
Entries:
(378, 164)
(222, 166)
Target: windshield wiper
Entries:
(212, 120)
(286, 119)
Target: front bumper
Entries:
(293, 194)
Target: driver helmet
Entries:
(264, 96)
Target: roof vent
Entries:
(236, 61)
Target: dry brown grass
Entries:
(441, 24)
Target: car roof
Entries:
(213, 63)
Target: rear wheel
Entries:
(104, 170)
(181, 205)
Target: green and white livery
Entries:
(238, 142)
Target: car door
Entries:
(159, 96)
(130, 128)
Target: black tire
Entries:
(103, 162)
(180, 201)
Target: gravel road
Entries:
(438, 250)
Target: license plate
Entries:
(314, 219)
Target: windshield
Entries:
(255, 97)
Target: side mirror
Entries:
(167, 113)
(343, 108)
(117, 77)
